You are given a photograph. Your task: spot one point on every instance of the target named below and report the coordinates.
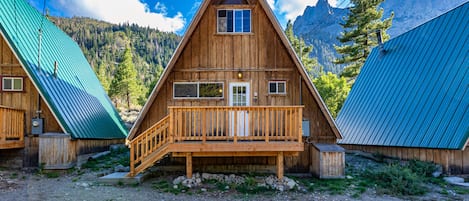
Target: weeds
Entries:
(397, 180)
(52, 175)
(167, 187)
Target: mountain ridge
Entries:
(319, 25)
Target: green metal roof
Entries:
(416, 93)
(75, 96)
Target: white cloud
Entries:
(122, 11)
(271, 4)
(160, 7)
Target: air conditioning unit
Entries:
(37, 126)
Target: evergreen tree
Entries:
(333, 90)
(303, 51)
(359, 34)
(125, 84)
(102, 76)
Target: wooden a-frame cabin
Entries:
(233, 88)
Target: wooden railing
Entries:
(216, 124)
(11, 128)
(267, 123)
(148, 142)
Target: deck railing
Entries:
(260, 123)
(217, 124)
(11, 128)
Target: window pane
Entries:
(281, 87)
(185, 90)
(222, 21)
(7, 84)
(272, 87)
(229, 21)
(210, 90)
(246, 21)
(239, 21)
(18, 84)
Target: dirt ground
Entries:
(82, 185)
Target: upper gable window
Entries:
(12, 84)
(234, 21)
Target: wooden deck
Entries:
(11, 128)
(220, 131)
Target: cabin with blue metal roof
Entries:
(411, 99)
(52, 106)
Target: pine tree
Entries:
(125, 84)
(303, 51)
(359, 34)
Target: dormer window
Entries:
(234, 21)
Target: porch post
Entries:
(280, 165)
(189, 165)
(132, 164)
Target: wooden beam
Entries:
(280, 165)
(189, 165)
(194, 70)
(233, 154)
(238, 147)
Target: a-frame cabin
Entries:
(233, 88)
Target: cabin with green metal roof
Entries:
(52, 106)
(411, 99)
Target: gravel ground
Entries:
(81, 185)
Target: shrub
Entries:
(397, 180)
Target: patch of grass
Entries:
(461, 190)
(167, 187)
(118, 157)
(250, 186)
(422, 168)
(14, 175)
(52, 175)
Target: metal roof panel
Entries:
(416, 93)
(75, 96)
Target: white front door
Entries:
(239, 96)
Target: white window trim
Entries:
(12, 84)
(198, 92)
(276, 85)
(234, 22)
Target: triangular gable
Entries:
(74, 95)
(186, 39)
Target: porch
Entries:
(220, 131)
(11, 128)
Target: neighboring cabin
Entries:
(411, 99)
(52, 106)
(234, 93)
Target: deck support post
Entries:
(280, 165)
(189, 165)
(132, 164)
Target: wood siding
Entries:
(28, 99)
(453, 161)
(261, 56)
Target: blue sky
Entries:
(165, 15)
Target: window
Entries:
(12, 84)
(234, 21)
(206, 90)
(277, 87)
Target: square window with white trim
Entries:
(234, 21)
(278, 87)
(12, 84)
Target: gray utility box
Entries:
(37, 126)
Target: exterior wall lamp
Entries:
(240, 75)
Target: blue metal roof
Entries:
(416, 94)
(75, 96)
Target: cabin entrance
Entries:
(239, 97)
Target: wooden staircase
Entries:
(219, 131)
